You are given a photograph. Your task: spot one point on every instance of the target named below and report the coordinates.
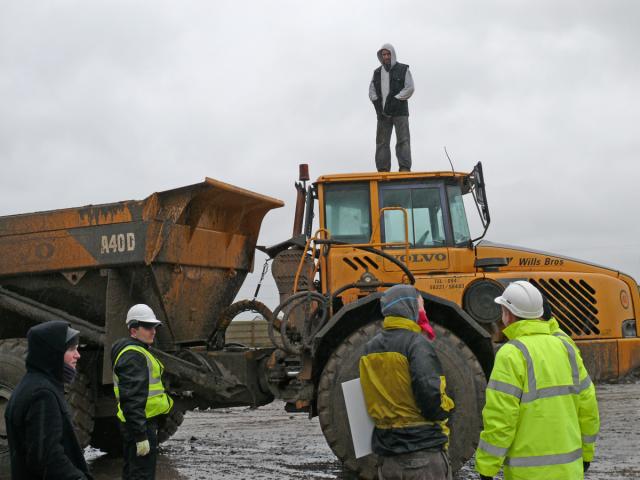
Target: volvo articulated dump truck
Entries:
(186, 252)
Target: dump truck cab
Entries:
(417, 218)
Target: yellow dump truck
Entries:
(187, 251)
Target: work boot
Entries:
(404, 169)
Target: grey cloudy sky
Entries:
(110, 100)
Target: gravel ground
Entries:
(270, 444)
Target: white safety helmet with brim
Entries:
(522, 299)
(142, 314)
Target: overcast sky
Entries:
(106, 101)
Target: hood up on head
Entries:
(400, 301)
(46, 348)
(387, 46)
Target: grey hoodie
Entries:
(405, 93)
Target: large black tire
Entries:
(465, 384)
(82, 402)
(106, 436)
(106, 433)
(171, 425)
(13, 353)
(218, 339)
(12, 369)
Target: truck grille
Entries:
(573, 304)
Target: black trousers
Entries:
(139, 468)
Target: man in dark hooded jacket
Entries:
(389, 90)
(42, 442)
(404, 390)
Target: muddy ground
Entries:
(270, 444)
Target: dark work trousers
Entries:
(139, 468)
(420, 465)
(383, 140)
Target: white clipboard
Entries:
(360, 422)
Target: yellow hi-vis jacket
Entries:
(158, 402)
(555, 330)
(541, 415)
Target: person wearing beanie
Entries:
(42, 442)
(404, 391)
(538, 380)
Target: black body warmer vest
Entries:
(392, 106)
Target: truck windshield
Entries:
(459, 223)
(424, 212)
(347, 213)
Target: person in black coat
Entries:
(142, 401)
(42, 442)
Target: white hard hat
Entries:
(141, 313)
(522, 299)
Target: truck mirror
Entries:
(477, 187)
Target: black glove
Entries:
(585, 465)
(484, 477)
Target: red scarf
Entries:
(426, 327)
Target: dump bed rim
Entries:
(135, 207)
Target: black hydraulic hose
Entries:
(286, 343)
(361, 285)
(40, 313)
(326, 301)
(375, 251)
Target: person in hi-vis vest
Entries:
(142, 400)
(541, 418)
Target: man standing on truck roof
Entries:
(42, 442)
(538, 380)
(389, 90)
(142, 401)
(404, 390)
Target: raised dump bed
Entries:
(185, 252)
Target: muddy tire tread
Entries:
(324, 397)
(81, 400)
(171, 425)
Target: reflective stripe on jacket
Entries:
(541, 415)
(556, 331)
(404, 390)
(158, 402)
